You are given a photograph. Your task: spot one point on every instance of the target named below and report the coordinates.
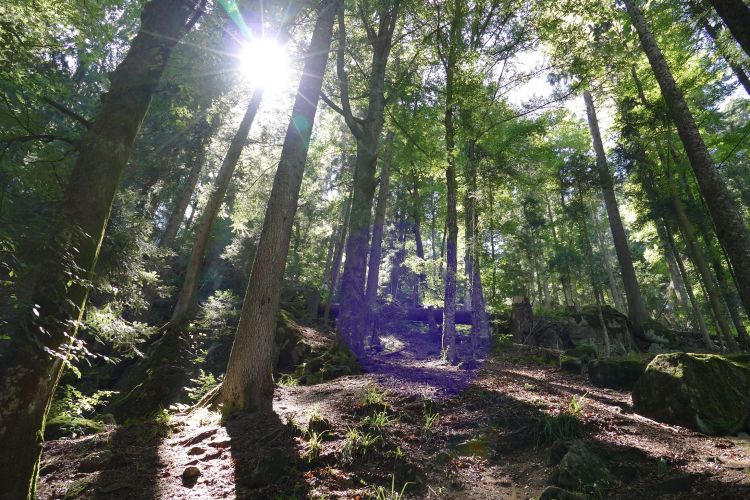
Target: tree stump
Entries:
(521, 319)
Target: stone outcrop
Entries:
(709, 393)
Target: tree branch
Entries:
(346, 106)
(68, 112)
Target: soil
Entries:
(486, 439)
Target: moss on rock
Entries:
(706, 392)
(61, 426)
(575, 360)
(581, 469)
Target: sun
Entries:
(264, 63)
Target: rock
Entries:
(61, 426)
(96, 461)
(443, 457)
(584, 328)
(616, 373)
(557, 451)
(575, 360)
(221, 443)
(676, 484)
(555, 493)
(709, 393)
(76, 489)
(114, 487)
(198, 437)
(196, 450)
(580, 468)
(190, 476)
(571, 365)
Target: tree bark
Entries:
(448, 46)
(197, 158)
(338, 256)
(689, 289)
(420, 283)
(248, 383)
(187, 299)
(675, 274)
(32, 360)
(376, 248)
(398, 257)
(614, 291)
(480, 326)
(736, 17)
(588, 252)
(352, 320)
(730, 227)
(713, 33)
(637, 313)
(696, 254)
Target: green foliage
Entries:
(358, 444)
(377, 421)
(380, 493)
(204, 383)
(374, 396)
(550, 428)
(576, 405)
(313, 445)
(71, 402)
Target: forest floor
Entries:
(411, 423)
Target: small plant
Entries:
(71, 402)
(373, 397)
(377, 420)
(315, 415)
(380, 493)
(203, 384)
(444, 354)
(288, 381)
(577, 404)
(430, 419)
(563, 426)
(314, 445)
(357, 443)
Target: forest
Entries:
(379, 249)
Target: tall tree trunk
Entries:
(730, 299)
(197, 158)
(696, 254)
(189, 221)
(491, 202)
(248, 383)
(736, 16)
(338, 256)
(376, 248)
(730, 228)
(697, 315)
(614, 291)
(674, 270)
(637, 313)
(588, 251)
(449, 314)
(31, 361)
(480, 325)
(713, 33)
(421, 281)
(187, 299)
(353, 317)
(156, 181)
(398, 257)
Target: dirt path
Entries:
(448, 432)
